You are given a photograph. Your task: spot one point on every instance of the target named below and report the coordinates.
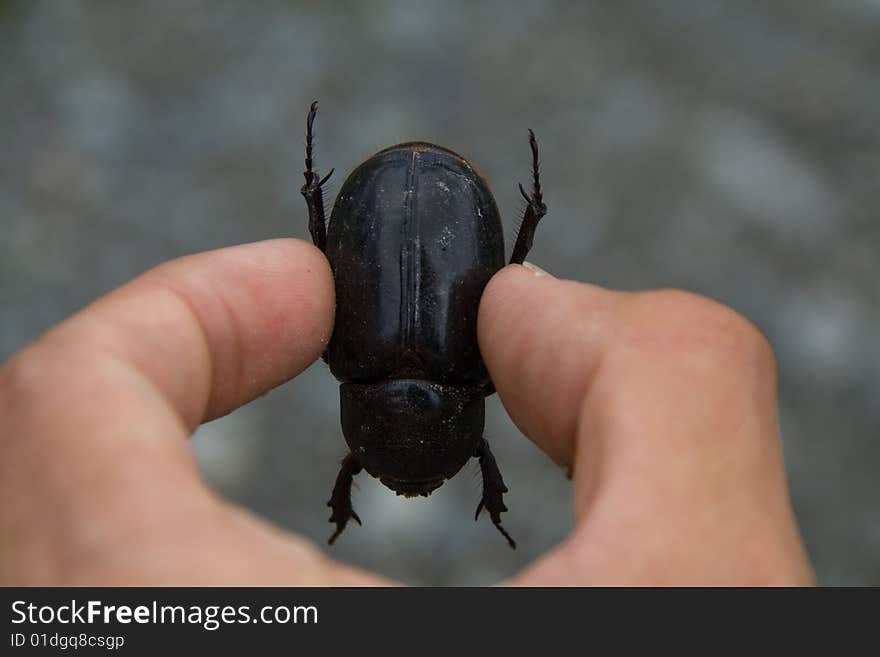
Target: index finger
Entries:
(542, 340)
(623, 384)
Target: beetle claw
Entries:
(340, 500)
(535, 209)
(312, 189)
(493, 490)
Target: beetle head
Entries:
(412, 434)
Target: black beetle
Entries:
(413, 239)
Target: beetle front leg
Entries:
(535, 209)
(311, 190)
(493, 489)
(340, 500)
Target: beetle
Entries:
(413, 238)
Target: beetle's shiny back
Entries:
(413, 239)
(422, 147)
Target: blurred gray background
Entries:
(730, 147)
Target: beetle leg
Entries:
(312, 189)
(340, 500)
(493, 489)
(535, 209)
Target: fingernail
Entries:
(537, 272)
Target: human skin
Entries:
(662, 404)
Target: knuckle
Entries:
(39, 371)
(688, 322)
(23, 375)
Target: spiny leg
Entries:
(493, 489)
(311, 191)
(340, 500)
(535, 209)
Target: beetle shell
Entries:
(413, 239)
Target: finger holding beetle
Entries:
(661, 403)
(103, 402)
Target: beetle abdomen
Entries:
(413, 239)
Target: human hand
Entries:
(98, 485)
(663, 403)
(663, 406)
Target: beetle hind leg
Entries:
(312, 189)
(340, 500)
(535, 209)
(493, 489)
